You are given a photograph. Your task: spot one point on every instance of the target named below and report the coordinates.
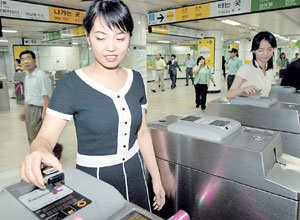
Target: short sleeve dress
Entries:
(107, 124)
(255, 76)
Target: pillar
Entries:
(137, 57)
(217, 34)
(245, 49)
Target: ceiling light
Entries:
(75, 43)
(9, 31)
(230, 22)
(4, 41)
(294, 41)
(163, 41)
(237, 41)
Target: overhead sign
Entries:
(206, 48)
(38, 42)
(192, 12)
(63, 15)
(229, 7)
(176, 31)
(263, 5)
(23, 10)
(162, 17)
(63, 34)
(217, 9)
(28, 11)
(78, 31)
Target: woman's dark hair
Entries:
(115, 14)
(200, 58)
(264, 35)
(27, 52)
(281, 55)
(18, 61)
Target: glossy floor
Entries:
(13, 138)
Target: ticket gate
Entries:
(82, 195)
(267, 113)
(214, 168)
(283, 89)
(4, 97)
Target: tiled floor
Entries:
(13, 138)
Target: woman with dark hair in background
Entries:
(202, 78)
(282, 61)
(257, 75)
(107, 103)
(18, 67)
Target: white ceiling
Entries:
(284, 22)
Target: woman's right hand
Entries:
(251, 90)
(30, 168)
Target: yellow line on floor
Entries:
(172, 103)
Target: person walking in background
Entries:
(223, 66)
(160, 66)
(282, 61)
(18, 67)
(295, 58)
(202, 79)
(37, 95)
(189, 69)
(173, 65)
(292, 76)
(234, 64)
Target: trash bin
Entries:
(4, 97)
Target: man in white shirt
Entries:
(37, 95)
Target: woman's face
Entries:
(282, 56)
(202, 61)
(264, 52)
(109, 46)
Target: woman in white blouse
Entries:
(256, 76)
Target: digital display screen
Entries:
(220, 123)
(191, 118)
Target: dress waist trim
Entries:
(107, 160)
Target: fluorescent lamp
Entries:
(294, 41)
(163, 41)
(3, 41)
(237, 41)
(9, 31)
(234, 23)
(75, 43)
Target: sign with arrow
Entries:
(162, 17)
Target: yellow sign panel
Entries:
(170, 16)
(79, 31)
(206, 48)
(192, 12)
(63, 15)
(18, 50)
(162, 29)
(235, 46)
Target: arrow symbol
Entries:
(161, 17)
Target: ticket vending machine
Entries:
(214, 168)
(267, 113)
(81, 195)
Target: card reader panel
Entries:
(205, 127)
(254, 100)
